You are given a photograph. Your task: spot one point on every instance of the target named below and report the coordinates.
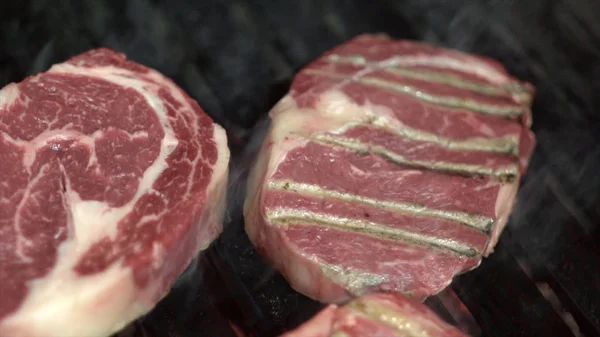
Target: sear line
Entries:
(479, 222)
(285, 216)
(445, 101)
(436, 76)
(505, 145)
(508, 173)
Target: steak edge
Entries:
(376, 315)
(113, 180)
(389, 166)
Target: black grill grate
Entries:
(237, 59)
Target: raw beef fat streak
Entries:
(112, 179)
(389, 166)
(377, 315)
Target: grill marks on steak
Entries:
(416, 55)
(447, 128)
(103, 194)
(379, 81)
(414, 226)
(424, 155)
(402, 265)
(474, 221)
(441, 72)
(287, 216)
(391, 165)
(469, 161)
(385, 184)
(378, 315)
(401, 133)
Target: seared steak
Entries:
(389, 166)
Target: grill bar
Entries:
(505, 301)
(437, 305)
(579, 278)
(574, 277)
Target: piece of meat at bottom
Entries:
(376, 315)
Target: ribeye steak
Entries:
(112, 179)
(390, 166)
(377, 315)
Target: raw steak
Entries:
(390, 166)
(112, 180)
(377, 315)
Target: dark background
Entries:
(237, 59)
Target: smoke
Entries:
(240, 166)
(457, 310)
